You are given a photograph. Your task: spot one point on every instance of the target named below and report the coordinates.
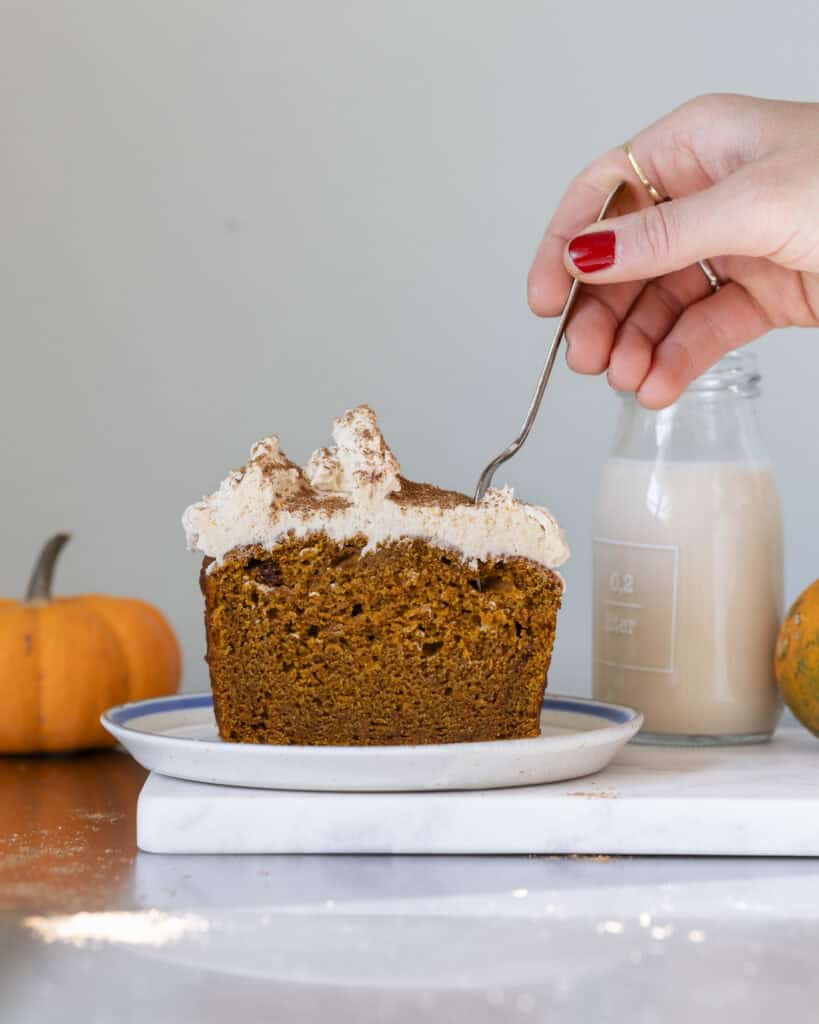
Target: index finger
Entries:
(549, 281)
(664, 151)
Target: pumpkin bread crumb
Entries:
(321, 642)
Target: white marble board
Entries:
(754, 801)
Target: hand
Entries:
(744, 176)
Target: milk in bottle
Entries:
(687, 555)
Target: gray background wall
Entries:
(221, 220)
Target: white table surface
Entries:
(388, 938)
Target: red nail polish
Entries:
(594, 251)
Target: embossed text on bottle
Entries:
(635, 604)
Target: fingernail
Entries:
(594, 251)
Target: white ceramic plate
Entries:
(177, 736)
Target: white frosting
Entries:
(272, 498)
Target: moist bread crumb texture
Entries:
(321, 642)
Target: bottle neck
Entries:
(714, 420)
(735, 374)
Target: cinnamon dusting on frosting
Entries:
(426, 496)
(355, 488)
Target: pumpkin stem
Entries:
(39, 586)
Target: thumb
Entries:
(667, 237)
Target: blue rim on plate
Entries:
(177, 736)
(121, 714)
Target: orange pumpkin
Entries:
(64, 660)
(797, 658)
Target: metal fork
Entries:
(486, 477)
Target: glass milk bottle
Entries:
(688, 565)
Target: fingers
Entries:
(649, 320)
(549, 280)
(594, 323)
(616, 327)
(667, 237)
(703, 334)
(656, 338)
(667, 153)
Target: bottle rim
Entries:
(736, 371)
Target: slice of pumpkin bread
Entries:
(347, 605)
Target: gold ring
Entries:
(704, 265)
(641, 174)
